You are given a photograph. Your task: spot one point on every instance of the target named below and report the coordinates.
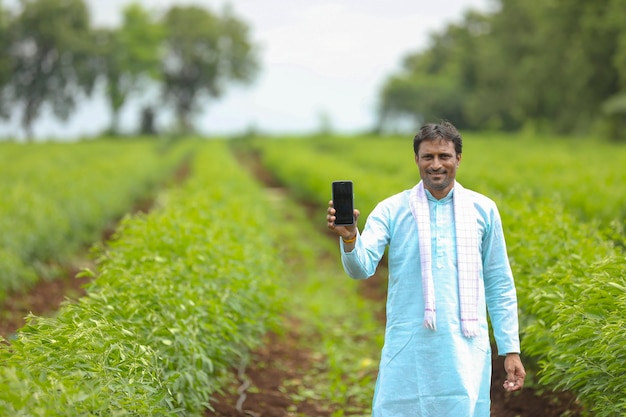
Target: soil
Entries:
(265, 388)
(43, 299)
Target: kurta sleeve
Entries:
(500, 293)
(370, 245)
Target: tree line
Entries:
(551, 66)
(52, 55)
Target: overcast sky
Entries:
(319, 58)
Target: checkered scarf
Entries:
(468, 256)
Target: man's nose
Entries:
(436, 163)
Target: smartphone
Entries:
(343, 203)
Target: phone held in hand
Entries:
(343, 203)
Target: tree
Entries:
(433, 84)
(501, 54)
(560, 59)
(559, 65)
(52, 57)
(131, 57)
(616, 13)
(421, 98)
(204, 52)
(5, 61)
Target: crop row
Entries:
(571, 280)
(58, 197)
(181, 295)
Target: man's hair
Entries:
(444, 130)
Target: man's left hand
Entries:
(515, 373)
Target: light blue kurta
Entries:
(426, 373)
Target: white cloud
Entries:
(336, 41)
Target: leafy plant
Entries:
(59, 197)
(180, 298)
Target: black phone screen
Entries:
(343, 202)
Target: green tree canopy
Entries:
(5, 61)
(549, 64)
(203, 53)
(432, 84)
(131, 56)
(52, 57)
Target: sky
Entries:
(321, 61)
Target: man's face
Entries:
(437, 162)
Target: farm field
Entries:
(564, 221)
(223, 266)
(59, 198)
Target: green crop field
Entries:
(182, 294)
(57, 198)
(563, 207)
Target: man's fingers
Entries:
(514, 381)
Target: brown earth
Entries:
(43, 299)
(265, 388)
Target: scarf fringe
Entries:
(470, 329)
(430, 320)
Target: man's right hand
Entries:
(346, 232)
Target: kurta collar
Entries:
(444, 200)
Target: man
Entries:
(448, 266)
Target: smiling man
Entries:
(448, 269)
